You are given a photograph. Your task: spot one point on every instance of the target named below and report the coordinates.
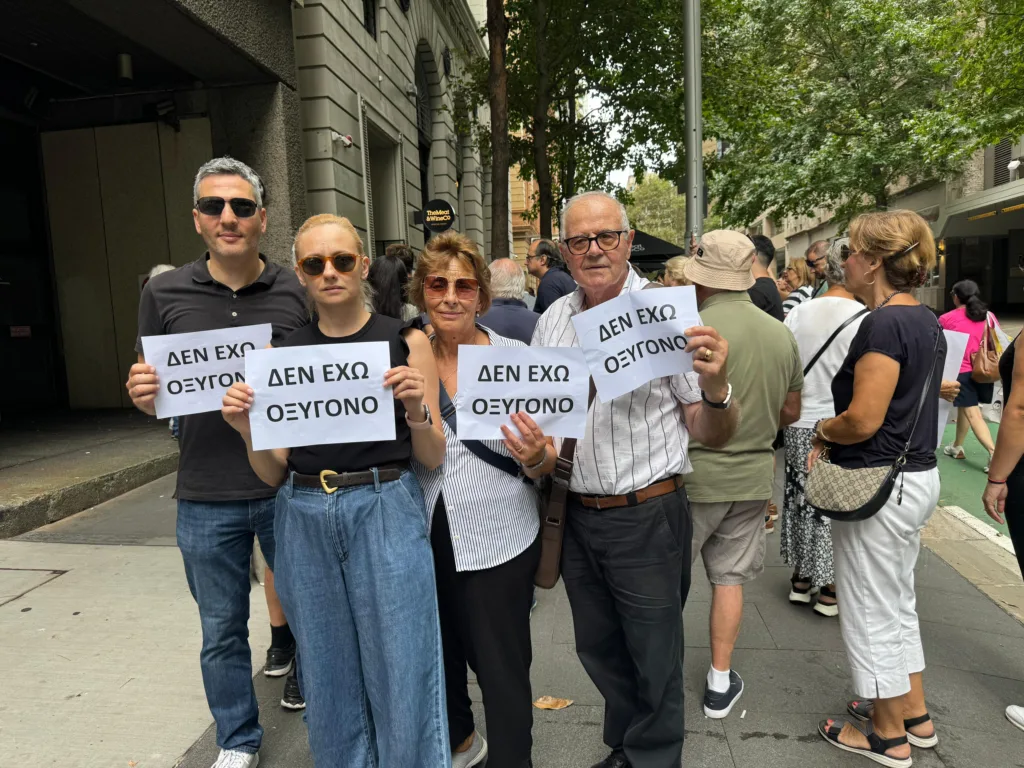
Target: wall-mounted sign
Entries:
(439, 216)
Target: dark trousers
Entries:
(1014, 512)
(626, 573)
(485, 622)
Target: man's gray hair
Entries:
(589, 196)
(834, 263)
(226, 165)
(507, 279)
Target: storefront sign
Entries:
(439, 216)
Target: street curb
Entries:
(64, 501)
(981, 527)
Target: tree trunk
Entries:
(497, 85)
(541, 105)
(569, 181)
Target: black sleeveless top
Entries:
(1006, 369)
(356, 457)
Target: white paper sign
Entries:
(196, 369)
(637, 337)
(322, 394)
(956, 345)
(547, 383)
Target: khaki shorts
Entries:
(730, 537)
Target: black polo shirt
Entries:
(213, 465)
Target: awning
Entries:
(649, 248)
(993, 211)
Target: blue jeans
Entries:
(355, 575)
(215, 539)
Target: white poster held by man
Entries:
(637, 337)
(327, 393)
(956, 345)
(549, 385)
(196, 369)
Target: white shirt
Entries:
(636, 439)
(811, 323)
(492, 515)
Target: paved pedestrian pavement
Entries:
(103, 643)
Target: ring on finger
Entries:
(708, 354)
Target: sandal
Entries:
(862, 711)
(827, 609)
(800, 595)
(830, 730)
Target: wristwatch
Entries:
(722, 405)
(425, 424)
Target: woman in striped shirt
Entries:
(485, 524)
(796, 285)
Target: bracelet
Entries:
(425, 424)
(996, 482)
(819, 431)
(539, 464)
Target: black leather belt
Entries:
(331, 481)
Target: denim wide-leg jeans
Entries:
(355, 575)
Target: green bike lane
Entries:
(963, 480)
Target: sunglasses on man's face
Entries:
(436, 287)
(314, 266)
(214, 206)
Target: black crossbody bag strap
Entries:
(924, 394)
(477, 448)
(832, 338)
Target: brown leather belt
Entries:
(331, 481)
(653, 491)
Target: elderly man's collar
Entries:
(633, 282)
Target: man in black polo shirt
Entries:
(222, 504)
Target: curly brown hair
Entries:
(434, 259)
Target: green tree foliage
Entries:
(658, 209)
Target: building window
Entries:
(404, 5)
(370, 17)
(1001, 169)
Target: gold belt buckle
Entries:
(323, 480)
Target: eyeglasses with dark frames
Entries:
(242, 207)
(314, 266)
(606, 241)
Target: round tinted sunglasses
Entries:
(213, 206)
(315, 265)
(436, 286)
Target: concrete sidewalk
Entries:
(107, 666)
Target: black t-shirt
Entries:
(555, 284)
(765, 295)
(907, 335)
(213, 464)
(356, 457)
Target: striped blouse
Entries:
(492, 515)
(800, 295)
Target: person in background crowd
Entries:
(545, 263)
(806, 535)
(972, 317)
(222, 504)
(354, 569)
(389, 280)
(675, 271)
(800, 285)
(1004, 493)
(405, 253)
(626, 553)
(877, 392)
(764, 292)
(508, 314)
(484, 527)
(730, 486)
(816, 257)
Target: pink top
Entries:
(957, 321)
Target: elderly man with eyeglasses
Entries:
(628, 532)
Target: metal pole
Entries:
(694, 178)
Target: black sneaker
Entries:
(719, 705)
(617, 759)
(292, 698)
(280, 661)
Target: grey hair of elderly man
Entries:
(834, 273)
(507, 279)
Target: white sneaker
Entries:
(475, 755)
(1015, 715)
(233, 758)
(956, 451)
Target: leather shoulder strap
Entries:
(832, 338)
(477, 448)
(929, 379)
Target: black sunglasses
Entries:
(214, 206)
(315, 265)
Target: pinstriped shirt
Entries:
(636, 439)
(492, 515)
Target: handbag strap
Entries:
(567, 455)
(832, 338)
(924, 392)
(477, 448)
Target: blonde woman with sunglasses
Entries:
(354, 569)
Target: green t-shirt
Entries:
(764, 366)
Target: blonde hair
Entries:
(321, 220)
(802, 272)
(436, 255)
(902, 240)
(674, 269)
